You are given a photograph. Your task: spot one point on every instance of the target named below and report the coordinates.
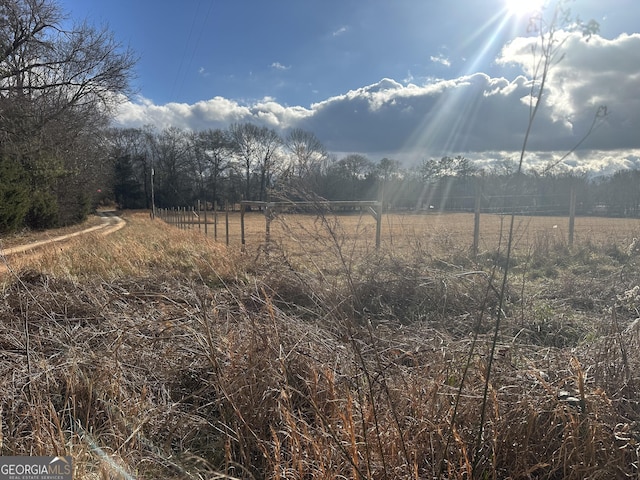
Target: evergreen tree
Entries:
(14, 195)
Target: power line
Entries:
(179, 78)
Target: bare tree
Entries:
(134, 144)
(171, 151)
(257, 151)
(243, 140)
(269, 145)
(215, 148)
(57, 89)
(306, 153)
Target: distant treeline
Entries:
(247, 162)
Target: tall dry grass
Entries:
(154, 353)
(143, 248)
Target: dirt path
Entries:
(110, 223)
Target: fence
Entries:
(477, 225)
(187, 218)
(192, 217)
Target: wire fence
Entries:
(479, 229)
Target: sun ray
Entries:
(521, 8)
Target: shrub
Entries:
(44, 210)
(14, 195)
(73, 208)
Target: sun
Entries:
(524, 7)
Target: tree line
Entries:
(58, 86)
(248, 162)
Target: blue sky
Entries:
(400, 78)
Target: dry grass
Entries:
(28, 236)
(155, 353)
(435, 234)
(144, 248)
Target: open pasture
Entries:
(435, 233)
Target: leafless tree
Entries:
(306, 153)
(257, 151)
(214, 147)
(58, 87)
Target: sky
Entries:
(403, 79)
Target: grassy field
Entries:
(159, 353)
(399, 230)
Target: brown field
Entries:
(156, 352)
(439, 232)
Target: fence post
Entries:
(476, 222)
(215, 221)
(206, 227)
(379, 209)
(242, 208)
(267, 217)
(226, 219)
(572, 214)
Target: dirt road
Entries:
(110, 223)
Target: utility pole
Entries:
(153, 197)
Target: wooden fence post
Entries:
(206, 227)
(476, 223)
(242, 208)
(215, 221)
(267, 218)
(226, 220)
(572, 215)
(199, 212)
(379, 210)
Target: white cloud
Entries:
(339, 31)
(279, 66)
(217, 112)
(441, 59)
(409, 78)
(477, 115)
(591, 74)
